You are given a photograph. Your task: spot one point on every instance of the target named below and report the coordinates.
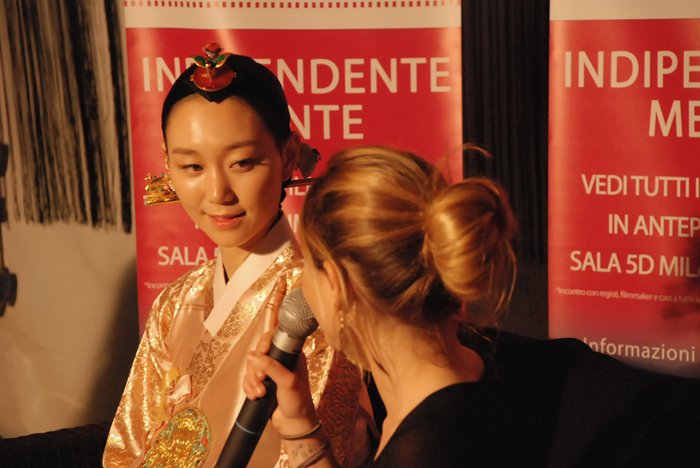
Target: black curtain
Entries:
(63, 112)
(505, 60)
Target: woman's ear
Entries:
(164, 147)
(333, 277)
(290, 155)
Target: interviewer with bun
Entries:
(399, 265)
(407, 275)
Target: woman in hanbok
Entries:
(230, 152)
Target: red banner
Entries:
(355, 73)
(624, 224)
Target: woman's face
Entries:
(226, 169)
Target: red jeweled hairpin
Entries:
(212, 73)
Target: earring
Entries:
(350, 344)
(341, 319)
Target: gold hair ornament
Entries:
(159, 190)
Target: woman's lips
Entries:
(226, 221)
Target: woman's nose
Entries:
(219, 188)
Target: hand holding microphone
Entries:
(269, 378)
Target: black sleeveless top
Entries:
(554, 404)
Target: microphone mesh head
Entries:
(296, 318)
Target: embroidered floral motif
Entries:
(204, 363)
(201, 282)
(237, 320)
(208, 303)
(183, 443)
(338, 407)
(282, 262)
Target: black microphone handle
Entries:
(253, 418)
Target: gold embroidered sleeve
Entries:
(135, 419)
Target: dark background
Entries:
(505, 69)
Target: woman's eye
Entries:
(191, 168)
(244, 163)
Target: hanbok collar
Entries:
(227, 294)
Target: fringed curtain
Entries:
(63, 112)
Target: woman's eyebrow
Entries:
(234, 146)
(242, 144)
(184, 151)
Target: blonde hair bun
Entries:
(468, 232)
(417, 247)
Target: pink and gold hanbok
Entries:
(184, 390)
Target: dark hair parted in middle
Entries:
(253, 83)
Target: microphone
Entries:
(296, 322)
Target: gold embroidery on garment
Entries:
(272, 273)
(135, 426)
(201, 282)
(116, 450)
(166, 312)
(136, 419)
(318, 357)
(339, 406)
(262, 295)
(271, 276)
(172, 298)
(237, 321)
(203, 363)
(184, 443)
(136, 416)
(208, 303)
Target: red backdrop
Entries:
(625, 188)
